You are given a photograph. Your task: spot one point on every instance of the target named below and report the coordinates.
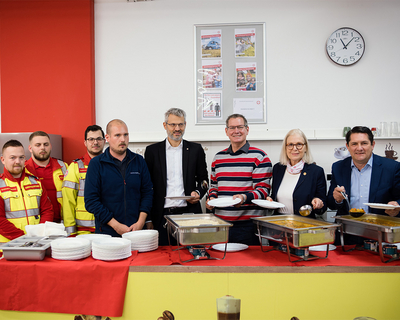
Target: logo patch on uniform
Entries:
(82, 170)
(7, 189)
(61, 177)
(32, 186)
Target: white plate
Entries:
(322, 248)
(268, 204)
(180, 198)
(381, 206)
(223, 202)
(70, 243)
(112, 243)
(231, 247)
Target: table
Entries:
(344, 286)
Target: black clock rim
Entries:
(339, 64)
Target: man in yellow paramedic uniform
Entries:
(76, 219)
(23, 199)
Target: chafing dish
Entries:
(371, 226)
(197, 230)
(295, 232)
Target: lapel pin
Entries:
(305, 173)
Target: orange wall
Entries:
(47, 69)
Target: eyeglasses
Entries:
(92, 140)
(298, 146)
(173, 125)
(240, 128)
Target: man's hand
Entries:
(317, 203)
(393, 212)
(207, 205)
(242, 198)
(140, 223)
(119, 227)
(149, 225)
(195, 199)
(337, 194)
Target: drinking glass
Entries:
(384, 129)
(394, 129)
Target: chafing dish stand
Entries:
(197, 239)
(356, 226)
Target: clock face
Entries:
(345, 46)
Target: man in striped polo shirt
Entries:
(243, 172)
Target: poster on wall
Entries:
(245, 43)
(228, 70)
(251, 108)
(246, 76)
(212, 74)
(211, 44)
(212, 106)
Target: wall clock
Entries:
(345, 46)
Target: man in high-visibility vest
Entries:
(23, 199)
(51, 171)
(76, 219)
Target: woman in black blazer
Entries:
(296, 180)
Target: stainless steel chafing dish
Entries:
(196, 229)
(296, 232)
(197, 232)
(371, 226)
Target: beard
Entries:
(95, 154)
(16, 170)
(41, 157)
(119, 151)
(174, 138)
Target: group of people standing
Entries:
(117, 191)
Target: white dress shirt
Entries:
(174, 175)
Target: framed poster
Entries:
(230, 74)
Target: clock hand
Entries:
(344, 46)
(349, 42)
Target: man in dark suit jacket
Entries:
(353, 173)
(177, 168)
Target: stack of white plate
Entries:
(93, 236)
(109, 249)
(143, 240)
(70, 249)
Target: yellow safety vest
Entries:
(76, 219)
(21, 203)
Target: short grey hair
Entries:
(307, 158)
(176, 112)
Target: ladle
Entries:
(353, 214)
(305, 210)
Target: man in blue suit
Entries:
(365, 177)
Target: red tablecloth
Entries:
(96, 287)
(253, 256)
(85, 286)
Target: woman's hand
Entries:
(317, 203)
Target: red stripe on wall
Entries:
(47, 69)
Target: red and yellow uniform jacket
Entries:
(22, 203)
(59, 169)
(76, 219)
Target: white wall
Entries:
(145, 65)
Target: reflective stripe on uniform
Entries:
(22, 213)
(71, 185)
(63, 168)
(70, 230)
(85, 223)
